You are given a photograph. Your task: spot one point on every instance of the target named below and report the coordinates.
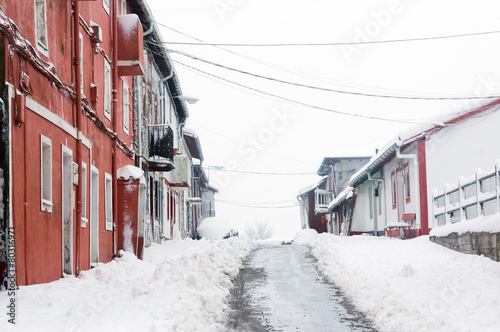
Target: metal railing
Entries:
(467, 199)
(322, 199)
(161, 142)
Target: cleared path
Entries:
(281, 290)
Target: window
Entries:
(454, 197)
(370, 201)
(487, 184)
(41, 26)
(469, 190)
(84, 195)
(393, 189)
(107, 90)
(454, 216)
(105, 5)
(439, 201)
(81, 62)
(440, 219)
(407, 182)
(46, 173)
(470, 211)
(489, 207)
(126, 107)
(108, 196)
(124, 7)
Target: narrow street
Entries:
(280, 289)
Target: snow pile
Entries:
(412, 285)
(129, 172)
(489, 224)
(214, 228)
(305, 236)
(181, 286)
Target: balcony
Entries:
(161, 148)
(322, 198)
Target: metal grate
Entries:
(489, 207)
(454, 197)
(454, 216)
(441, 219)
(487, 184)
(439, 201)
(469, 190)
(471, 212)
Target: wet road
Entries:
(280, 289)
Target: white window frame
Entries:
(126, 108)
(46, 173)
(105, 5)
(85, 220)
(107, 89)
(124, 7)
(108, 197)
(40, 45)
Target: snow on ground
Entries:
(180, 286)
(412, 285)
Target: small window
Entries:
(454, 216)
(126, 107)
(487, 184)
(393, 189)
(439, 201)
(407, 182)
(41, 26)
(108, 194)
(454, 197)
(489, 207)
(84, 195)
(124, 7)
(105, 5)
(107, 90)
(469, 190)
(471, 212)
(440, 219)
(46, 174)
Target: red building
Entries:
(66, 82)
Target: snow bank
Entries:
(412, 285)
(489, 224)
(305, 236)
(181, 286)
(129, 172)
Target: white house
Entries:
(393, 193)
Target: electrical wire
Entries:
(299, 102)
(387, 41)
(327, 89)
(257, 206)
(260, 173)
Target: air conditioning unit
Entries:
(97, 34)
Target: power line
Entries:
(328, 89)
(387, 41)
(261, 173)
(295, 72)
(296, 101)
(257, 206)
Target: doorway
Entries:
(67, 211)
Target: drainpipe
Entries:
(114, 104)
(78, 108)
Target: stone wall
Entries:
(480, 243)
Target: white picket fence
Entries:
(467, 199)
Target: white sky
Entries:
(227, 117)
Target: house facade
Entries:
(314, 200)
(92, 128)
(393, 193)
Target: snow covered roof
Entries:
(341, 198)
(412, 134)
(313, 186)
(193, 143)
(129, 172)
(325, 166)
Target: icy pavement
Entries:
(281, 290)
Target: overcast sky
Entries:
(252, 124)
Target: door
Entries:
(67, 211)
(94, 216)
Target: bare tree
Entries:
(260, 230)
